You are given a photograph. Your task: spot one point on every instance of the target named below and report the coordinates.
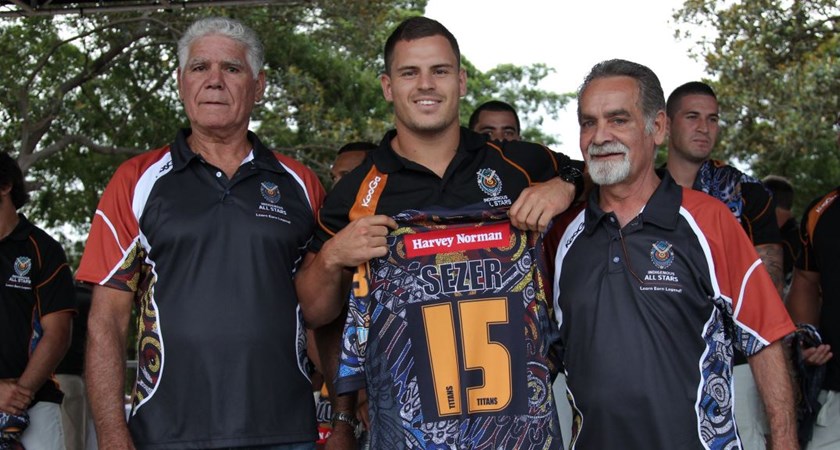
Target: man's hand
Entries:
(14, 398)
(817, 356)
(538, 204)
(360, 241)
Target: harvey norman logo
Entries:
(457, 239)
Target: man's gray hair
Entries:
(650, 90)
(230, 28)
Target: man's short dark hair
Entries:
(11, 175)
(357, 147)
(651, 97)
(690, 88)
(416, 28)
(782, 190)
(494, 105)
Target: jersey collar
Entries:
(22, 230)
(661, 210)
(263, 158)
(388, 161)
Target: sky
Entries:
(571, 37)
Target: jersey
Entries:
(221, 343)
(452, 332)
(36, 282)
(650, 314)
(821, 253)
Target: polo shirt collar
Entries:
(22, 230)
(661, 210)
(388, 161)
(182, 155)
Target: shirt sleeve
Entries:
(113, 253)
(756, 309)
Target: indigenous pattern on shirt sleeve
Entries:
(436, 329)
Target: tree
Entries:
(518, 86)
(81, 94)
(775, 66)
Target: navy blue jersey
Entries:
(452, 331)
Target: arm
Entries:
(328, 338)
(51, 348)
(17, 395)
(105, 364)
(772, 377)
(319, 279)
(804, 302)
(773, 258)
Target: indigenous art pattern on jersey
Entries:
(437, 328)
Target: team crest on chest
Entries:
(270, 191)
(20, 279)
(491, 184)
(662, 254)
(270, 209)
(660, 278)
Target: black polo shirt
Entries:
(493, 173)
(36, 282)
(821, 254)
(650, 314)
(221, 349)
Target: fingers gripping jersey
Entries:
(452, 331)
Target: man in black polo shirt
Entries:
(429, 160)
(204, 236)
(37, 305)
(814, 299)
(655, 285)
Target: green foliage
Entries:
(518, 86)
(82, 94)
(775, 66)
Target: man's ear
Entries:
(385, 82)
(660, 128)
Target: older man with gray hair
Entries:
(655, 285)
(202, 237)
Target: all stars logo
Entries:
(20, 279)
(662, 254)
(270, 192)
(489, 182)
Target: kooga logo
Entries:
(374, 183)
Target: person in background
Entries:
(693, 128)
(814, 300)
(782, 191)
(655, 285)
(37, 305)
(204, 236)
(497, 119)
(348, 158)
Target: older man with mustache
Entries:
(655, 285)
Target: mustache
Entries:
(608, 148)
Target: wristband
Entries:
(349, 419)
